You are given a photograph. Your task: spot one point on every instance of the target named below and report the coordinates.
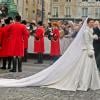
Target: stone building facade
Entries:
(75, 9)
(27, 9)
(32, 9)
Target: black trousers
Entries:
(5, 60)
(17, 61)
(98, 61)
(55, 58)
(25, 55)
(97, 54)
(40, 58)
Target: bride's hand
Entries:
(95, 37)
(91, 56)
(91, 53)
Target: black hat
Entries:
(40, 23)
(18, 18)
(24, 22)
(7, 21)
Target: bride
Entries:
(75, 70)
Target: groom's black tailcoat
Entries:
(96, 44)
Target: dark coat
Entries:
(97, 32)
(96, 45)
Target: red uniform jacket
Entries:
(17, 34)
(1, 37)
(55, 43)
(5, 41)
(39, 40)
(26, 40)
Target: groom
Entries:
(96, 43)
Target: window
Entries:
(55, 11)
(97, 12)
(17, 2)
(84, 0)
(68, 0)
(67, 12)
(84, 12)
(55, 0)
(26, 9)
(26, 1)
(97, 0)
(41, 1)
(38, 1)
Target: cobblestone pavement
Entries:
(40, 93)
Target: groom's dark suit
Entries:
(96, 45)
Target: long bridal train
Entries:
(75, 70)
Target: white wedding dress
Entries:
(75, 70)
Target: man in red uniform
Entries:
(25, 42)
(0, 38)
(55, 42)
(0, 33)
(39, 41)
(5, 42)
(18, 32)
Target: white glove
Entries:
(91, 53)
(95, 37)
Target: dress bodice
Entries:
(88, 38)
